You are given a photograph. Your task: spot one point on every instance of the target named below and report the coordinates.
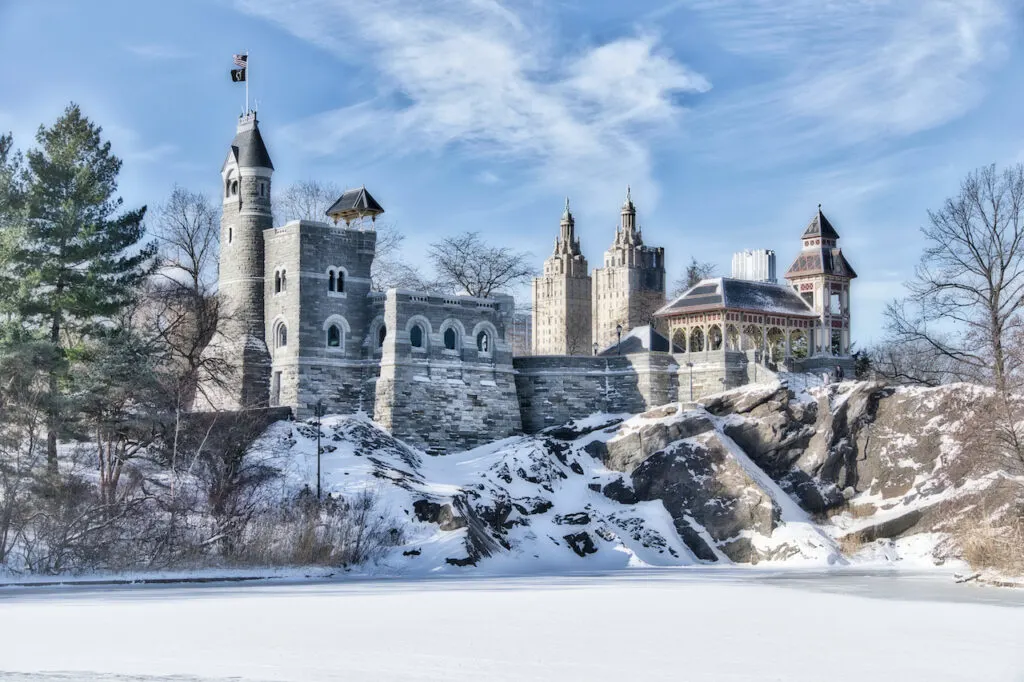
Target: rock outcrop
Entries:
(761, 473)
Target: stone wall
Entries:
(555, 389)
(443, 399)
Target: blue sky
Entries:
(731, 119)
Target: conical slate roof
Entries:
(820, 227)
(248, 149)
(354, 203)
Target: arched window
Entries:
(234, 188)
(277, 281)
(483, 342)
(330, 280)
(382, 334)
(416, 336)
(334, 336)
(450, 338)
(341, 281)
(284, 280)
(281, 335)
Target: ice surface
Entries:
(659, 624)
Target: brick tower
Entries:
(562, 297)
(631, 285)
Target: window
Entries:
(281, 335)
(416, 336)
(284, 281)
(275, 390)
(277, 281)
(808, 297)
(450, 338)
(483, 342)
(334, 336)
(263, 189)
(336, 280)
(234, 188)
(231, 234)
(835, 306)
(382, 334)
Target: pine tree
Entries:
(80, 259)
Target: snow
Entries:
(675, 624)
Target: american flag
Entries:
(241, 60)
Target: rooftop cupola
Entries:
(354, 204)
(628, 222)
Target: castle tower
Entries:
(631, 285)
(822, 275)
(562, 297)
(245, 214)
(318, 309)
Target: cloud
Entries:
(480, 78)
(157, 52)
(844, 72)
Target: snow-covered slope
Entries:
(759, 474)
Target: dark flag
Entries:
(242, 62)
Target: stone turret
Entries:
(562, 297)
(245, 214)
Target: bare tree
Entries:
(188, 238)
(390, 269)
(308, 200)
(912, 363)
(968, 291)
(466, 263)
(695, 272)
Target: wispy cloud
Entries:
(849, 71)
(476, 76)
(157, 51)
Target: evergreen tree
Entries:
(79, 260)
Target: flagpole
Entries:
(247, 72)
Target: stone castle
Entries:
(306, 330)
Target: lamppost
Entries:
(618, 342)
(319, 413)
(690, 365)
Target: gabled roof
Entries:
(820, 227)
(821, 261)
(248, 149)
(354, 203)
(725, 293)
(640, 340)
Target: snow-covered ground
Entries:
(724, 624)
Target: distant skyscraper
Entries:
(756, 265)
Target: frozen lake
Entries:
(681, 624)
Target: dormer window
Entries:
(233, 188)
